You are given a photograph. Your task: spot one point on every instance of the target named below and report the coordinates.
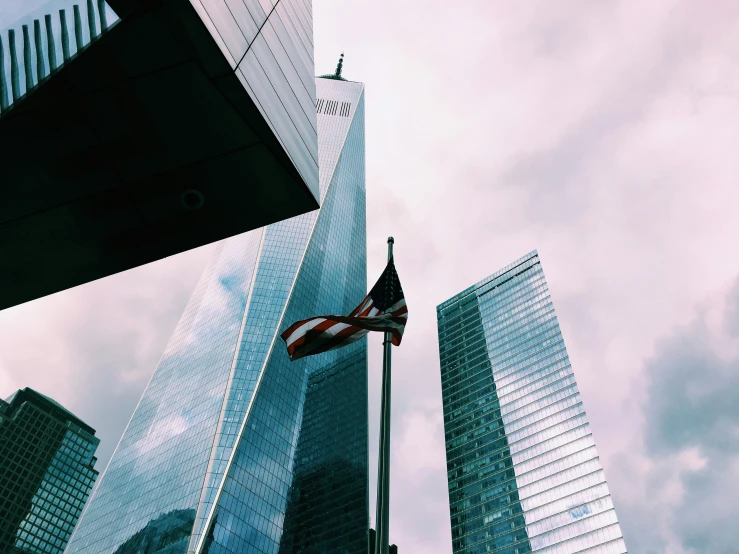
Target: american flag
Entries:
(383, 309)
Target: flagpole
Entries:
(382, 522)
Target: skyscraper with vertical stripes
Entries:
(524, 474)
(232, 447)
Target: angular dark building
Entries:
(524, 474)
(233, 448)
(134, 130)
(330, 475)
(46, 473)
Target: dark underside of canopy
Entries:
(144, 145)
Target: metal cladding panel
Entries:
(336, 104)
(128, 140)
(524, 475)
(270, 48)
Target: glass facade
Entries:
(330, 476)
(524, 475)
(230, 438)
(269, 44)
(46, 473)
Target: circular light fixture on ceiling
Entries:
(192, 199)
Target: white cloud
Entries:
(93, 348)
(600, 134)
(421, 443)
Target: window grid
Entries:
(524, 474)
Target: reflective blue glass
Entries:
(230, 438)
(250, 516)
(46, 473)
(524, 475)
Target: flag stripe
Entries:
(302, 329)
(365, 305)
(328, 332)
(329, 342)
(322, 324)
(323, 342)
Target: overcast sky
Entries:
(604, 134)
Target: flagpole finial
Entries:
(391, 240)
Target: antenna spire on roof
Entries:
(339, 65)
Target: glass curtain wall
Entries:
(47, 470)
(216, 453)
(524, 474)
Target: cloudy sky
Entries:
(605, 135)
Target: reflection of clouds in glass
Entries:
(580, 511)
(561, 514)
(176, 449)
(171, 529)
(161, 432)
(227, 281)
(576, 536)
(507, 380)
(293, 267)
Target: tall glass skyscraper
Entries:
(524, 474)
(232, 447)
(47, 469)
